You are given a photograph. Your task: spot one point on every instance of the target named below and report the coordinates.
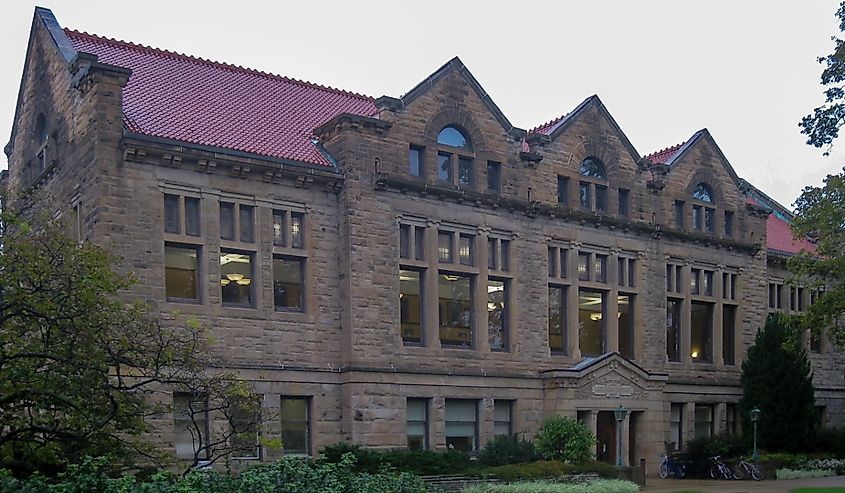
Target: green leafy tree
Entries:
(566, 439)
(778, 380)
(79, 365)
(822, 126)
(820, 214)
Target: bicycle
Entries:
(671, 467)
(743, 469)
(718, 468)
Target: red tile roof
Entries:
(666, 155)
(178, 97)
(779, 238)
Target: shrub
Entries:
(551, 469)
(597, 486)
(727, 446)
(564, 438)
(831, 441)
(506, 449)
(413, 461)
(837, 465)
(804, 473)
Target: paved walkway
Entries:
(746, 486)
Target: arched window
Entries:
(455, 157)
(703, 193)
(593, 185)
(703, 212)
(451, 136)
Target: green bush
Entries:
(831, 441)
(507, 449)
(422, 462)
(728, 446)
(549, 469)
(566, 439)
(290, 475)
(597, 486)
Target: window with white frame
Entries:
(296, 425)
(417, 417)
(190, 425)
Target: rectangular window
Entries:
(584, 195)
(455, 310)
(625, 324)
(502, 418)
(244, 428)
(703, 421)
(181, 276)
(729, 224)
(632, 271)
(444, 247)
(494, 176)
(670, 271)
(415, 160)
(466, 249)
(287, 283)
(236, 276)
(583, 266)
(600, 268)
(708, 282)
(465, 171)
(404, 240)
(562, 190)
(697, 219)
(679, 214)
(695, 281)
(673, 329)
(296, 425)
(601, 199)
(557, 319)
(552, 261)
(729, 334)
(497, 315)
(592, 311)
(624, 205)
(410, 306)
(417, 417)
(772, 295)
(279, 228)
(190, 425)
(192, 216)
(701, 332)
(444, 166)
(462, 425)
(492, 252)
(621, 271)
(801, 305)
(419, 243)
(710, 220)
(730, 419)
(247, 223)
(227, 220)
(296, 229)
(504, 255)
(171, 214)
(676, 415)
(779, 296)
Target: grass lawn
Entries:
(819, 490)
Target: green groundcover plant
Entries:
(596, 486)
(804, 473)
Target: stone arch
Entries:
(592, 147)
(458, 118)
(706, 177)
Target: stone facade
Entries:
(344, 350)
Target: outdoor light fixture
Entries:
(755, 416)
(619, 414)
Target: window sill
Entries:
(185, 301)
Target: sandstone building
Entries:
(414, 271)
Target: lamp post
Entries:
(755, 416)
(619, 414)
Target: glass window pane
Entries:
(584, 193)
(625, 323)
(494, 176)
(192, 216)
(703, 421)
(632, 270)
(584, 266)
(729, 223)
(623, 202)
(227, 220)
(710, 220)
(492, 253)
(708, 282)
(497, 315)
(444, 166)
(444, 247)
(465, 171)
(247, 222)
(679, 214)
(676, 425)
(419, 243)
(455, 310)
(171, 213)
(415, 160)
(180, 272)
(404, 240)
(461, 425)
(552, 261)
(703, 193)
(593, 168)
(236, 278)
(451, 136)
(557, 319)
(673, 330)
(701, 332)
(695, 274)
(279, 228)
(504, 255)
(417, 417)
(562, 190)
(600, 268)
(410, 306)
(287, 283)
(591, 327)
(696, 217)
(190, 425)
(297, 221)
(502, 418)
(601, 199)
(295, 425)
(466, 249)
(729, 334)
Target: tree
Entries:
(820, 214)
(79, 365)
(822, 127)
(777, 379)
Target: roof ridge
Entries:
(215, 63)
(552, 122)
(667, 149)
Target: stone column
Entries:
(720, 418)
(573, 345)
(592, 423)
(482, 341)
(431, 316)
(687, 423)
(611, 315)
(626, 438)
(686, 317)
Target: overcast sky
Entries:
(745, 70)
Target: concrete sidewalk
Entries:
(731, 486)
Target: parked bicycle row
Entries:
(674, 467)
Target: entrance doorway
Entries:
(606, 437)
